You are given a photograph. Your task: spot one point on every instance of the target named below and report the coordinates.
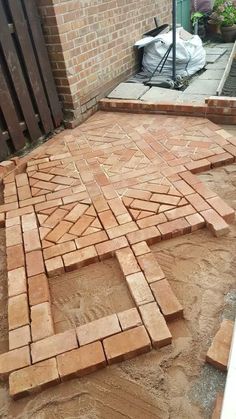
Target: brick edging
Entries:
(217, 109)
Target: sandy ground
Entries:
(173, 382)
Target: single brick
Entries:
(166, 299)
(122, 230)
(129, 319)
(13, 235)
(98, 329)
(18, 312)
(165, 199)
(38, 289)
(14, 360)
(150, 268)
(76, 212)
(2, 221)
(54, 266)
(141, 249)
(124, 218)
(34, 263)
(152, 221)
(138, 194)
(180, 212)
(223, 209)
(198, 166)
(127, 345)
(155, 325)
(127, 261)
(80, 258)
(29, 222)
(215, 222)
(62, 228)
(145, 205)
(31, 240)
(82, 361)
(151, 235)
(35, 377)
(218, 354)
(107, 219)
(53, 345)
(117, 206)
(59, 249)
(15, 257)
(218, 406)
(204, 191)
(41, 321)
(19, 337)
(17, 282)
(198, 202)
(196, 221)
(91, 239)
(221, 159)
(139, 289)
(174, 228)
(19, 212)
(107, 248)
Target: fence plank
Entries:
(41, 50)
(9, 113)
(3, 147)
(15, 70)
(31, 64)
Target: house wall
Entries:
(90, 43)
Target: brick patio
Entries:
(111, 187)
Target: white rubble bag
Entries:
(190, 54)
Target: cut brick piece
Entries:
(98, 329)
(17, 282)
(18, 313)
(150, 268)
(139, 289)
(151, 235)
(107, 248)
(59, 249)
(218, 354)
(155, 325)
(218, 406)
(215, 222)
(129, 319)
(127, 261)
(223, 209)
(122, 230)
(35, 377)
(91, 239)
(174, 228)
(54, 266)
(15, 257)
(80, 258)
(141, 249)
(127, 345)
(196, 221)
(19, 337)
(166, 299)
(53, 345)
(152, 221)
(14, 360)
(34, 263)
(38, 289)
(82, 361)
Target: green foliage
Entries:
(224, 13)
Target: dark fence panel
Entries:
(29, 104)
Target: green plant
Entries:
(224, 13)
(196, 16)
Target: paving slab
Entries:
(211, 75)
(132, 91)
(203, 87)
(159, 94)
(215, 50)
(187, 97)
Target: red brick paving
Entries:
(110, 187)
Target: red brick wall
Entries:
(90, 43)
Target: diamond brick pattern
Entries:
(109, 188)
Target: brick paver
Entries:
(109, 188)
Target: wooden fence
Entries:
(29, 104)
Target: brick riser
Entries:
(220, 110)
(71, 206)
